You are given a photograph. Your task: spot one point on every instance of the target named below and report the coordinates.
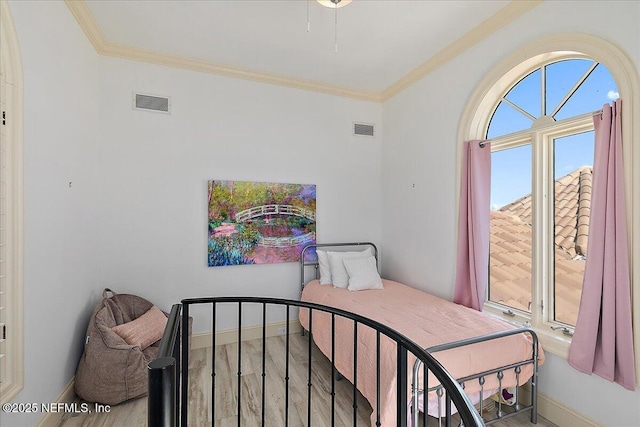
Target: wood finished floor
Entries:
(134, 412)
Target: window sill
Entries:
(553, 342)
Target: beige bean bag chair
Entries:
(122, 338)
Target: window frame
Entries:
(541, 138)
(477, 112)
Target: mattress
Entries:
(425, 319)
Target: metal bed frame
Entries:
(169, 390)
(416, 391)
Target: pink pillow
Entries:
(145, 330)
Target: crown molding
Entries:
(89, 25)
(501, 18)
(204, 66)
(87, 22)
(504, 16)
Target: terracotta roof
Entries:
(510, 238)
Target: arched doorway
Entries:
(11, 212)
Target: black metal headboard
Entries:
(306, 263)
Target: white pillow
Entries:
(325, 268)
(363, 273)
(339, 275)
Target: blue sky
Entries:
(511, 169)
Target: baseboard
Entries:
(558, 413)
(228, 336)
(52, 419)
(203, 340)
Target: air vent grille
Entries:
(151, 103)
(363, 129)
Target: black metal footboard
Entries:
(501, 413)
(169, 380)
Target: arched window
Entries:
(554, 91)
(538, 113)
(542, 163)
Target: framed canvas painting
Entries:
(259, 222)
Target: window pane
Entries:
(510, 228)
(506, 120)
(573, 169)
(561, 77)
(593, 93)
(526, 94)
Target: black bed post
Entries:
(302, 265)
(534, 382)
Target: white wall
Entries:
(60, 141)
(154, 170)
(135, 216)
(421, 127)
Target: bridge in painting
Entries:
(265, 210)
(286, 242)
(286, 210)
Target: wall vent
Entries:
(160, 104)
(363, 129)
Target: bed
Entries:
(449, 331)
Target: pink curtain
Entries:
(472, 265)
(603, 338)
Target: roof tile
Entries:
(511, 245)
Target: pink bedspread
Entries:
(425, 319)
